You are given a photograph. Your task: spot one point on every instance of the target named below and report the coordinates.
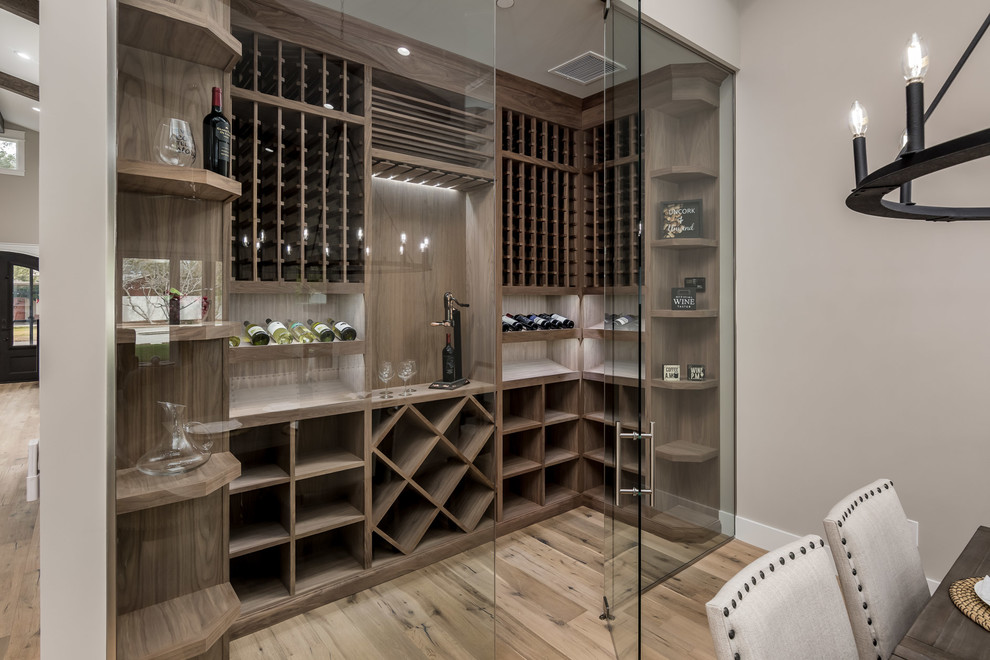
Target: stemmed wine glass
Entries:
(385, 373)
(407, 369)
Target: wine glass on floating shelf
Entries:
(385, 373)
(175, 143)
(407, 369)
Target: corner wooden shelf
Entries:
(685, 314)
(192, 182)
(250, 353)
(183, 627)
(126, 332)
(684, 173)
(540, 335)
(683, 451)
(684, 243)
(137, 491)
(165, 28)
(707, 384)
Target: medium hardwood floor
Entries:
(548, 581)
(20, 617)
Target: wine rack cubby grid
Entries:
(539, 202)
(299, 149)
(612, 214)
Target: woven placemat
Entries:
(964, 596)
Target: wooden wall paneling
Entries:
(324, 29)
(151, 89)
(539, 101)
(480, 332)
(169, 551)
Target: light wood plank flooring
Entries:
(20, 617)
(548, 580)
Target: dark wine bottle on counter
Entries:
(256, 333)
(509, 324)
(216, 138)
(449, 361)
(322, 330)
(343, 330)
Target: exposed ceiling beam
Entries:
(18, 86)
(26, 9)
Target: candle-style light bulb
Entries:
(914, 61)
(858, 119)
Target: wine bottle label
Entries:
(622, 320)
(341, 325)
(558, 317)
(321, 328)
(299, 325)
(252, 330)
(274, 327)
(222, 134)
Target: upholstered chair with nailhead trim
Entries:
(785, 605)
(879, 566)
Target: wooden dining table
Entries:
(942, 631)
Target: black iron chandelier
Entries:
(914, 160)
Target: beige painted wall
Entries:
(863, 343)
(19, 196)
(712, 25)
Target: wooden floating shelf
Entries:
(684, 243)
(183, 627)
(126, 332)
(540, 335)
(298, 288)
(249, 353)
(165, 28)
(137, 491)
(684, 173)
(515, 424)
(683, 451)
(390, 165)
(297, 106)
(518, 374)
(196, 183)
(685, 314)
(707, 384)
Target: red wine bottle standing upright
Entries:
(216, 138)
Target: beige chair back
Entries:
(879, 566)
(783, 606)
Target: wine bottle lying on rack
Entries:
(302, 334)
(278, 332)
(322, 330)
(509, 324)
(621, 322)
(541, 323)
(256, 334)
(524, 321)
(562, 320)
(342, 330)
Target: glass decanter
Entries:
(177, 453)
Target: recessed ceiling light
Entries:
(21, 54)
(36, 109)
(328, 106)
(403, 51)
(505, 4)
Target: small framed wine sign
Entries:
(671, 372)
(680, 219)
(696, 283)
(683, 298)
(696, 372)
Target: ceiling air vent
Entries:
(587, 68)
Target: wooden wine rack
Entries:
(539, 202)
(299, 122)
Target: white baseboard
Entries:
(767, 537)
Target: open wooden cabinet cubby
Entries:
(528, 202)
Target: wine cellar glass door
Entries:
(618, 219)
